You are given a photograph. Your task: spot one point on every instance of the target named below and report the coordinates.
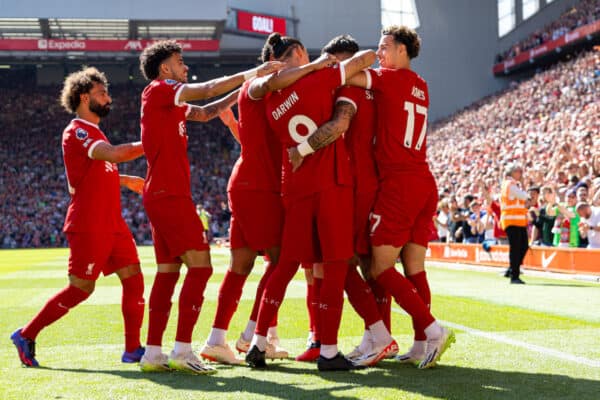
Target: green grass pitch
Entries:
(537, 341)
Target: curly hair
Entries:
(78, 83)
(277, 46)
(406, 36)
(154, 55)
(341, 44)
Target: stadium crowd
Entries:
(583, 13)
(34, 198)
(548, 123)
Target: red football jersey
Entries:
(360, 137)
(93, 184)
(402, 101)
(259, 164)
(164, 138)
(297, 111)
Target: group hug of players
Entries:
(332, 176)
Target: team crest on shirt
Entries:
(81, 134)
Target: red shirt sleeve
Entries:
(350, 94)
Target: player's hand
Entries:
(269, 67)
(228, 117)
(295, 158)
(133, 183)
(324, 61)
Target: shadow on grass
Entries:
(442, 382)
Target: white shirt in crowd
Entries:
(442, 219)
(593, 235)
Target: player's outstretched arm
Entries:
(326, 134)
(212, 110)
(359, 80)
(229, 120)
(359, 61)
(216, 87)
(261, 86)
(116, 154)
(133, 183)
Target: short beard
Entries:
(99, 110)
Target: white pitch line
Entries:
(528, 346)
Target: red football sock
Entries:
(310, 291)
(160, 305)
(384, 302)
(230, 293)
(55, 308)
(132, 308)
(190, 301)
(269, 268)
(422, 286)
(361, 297)
(273, 295)
(331, 300)
(316, 328)
(406, 296)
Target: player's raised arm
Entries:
(326, 134)
(212, 110)
(117, 154)
(261, 86)
(216, 87)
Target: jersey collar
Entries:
(85, 122)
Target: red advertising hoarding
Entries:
(530, 55)
(97, 45)
(555, 259)
(258, 23)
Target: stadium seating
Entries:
(583, 13)
(549, 123)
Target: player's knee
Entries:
(86, 285)
(242, 260)
(196, 258)
(129, 271)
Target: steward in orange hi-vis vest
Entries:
(512, 208)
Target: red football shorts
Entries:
(95, 252)
(256, 219)
(363, 206)
(176, 228)
(318, 227)
(403, 210)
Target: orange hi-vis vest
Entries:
(512, 210)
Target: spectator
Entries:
(590, 223)
(566, 233)
(544, 222)
(441, 220)
(534, 212)
(476, 223)
(205, 218)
